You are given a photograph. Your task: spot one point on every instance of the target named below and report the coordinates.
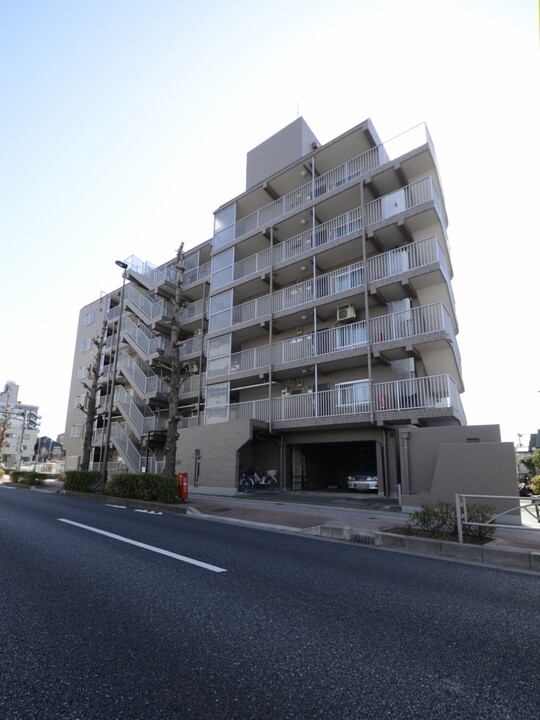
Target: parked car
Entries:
(367, 483)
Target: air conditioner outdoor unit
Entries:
(236, 366)
(285, 392)
(193, 368)
(197, 332)
(347, 312)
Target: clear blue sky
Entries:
(125, 123)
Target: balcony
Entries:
(323, 185)
(342, 227)
(419, 398)
(412, 260)
(389, 335)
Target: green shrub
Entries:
(435, 520)
(28, 477)
(535, 482)
(1, 472)
(88, 481)
(143, 486)
(439, 521)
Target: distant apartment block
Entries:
(19, 427)
(318, 322)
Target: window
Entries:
(76, 431)
(86, 344)
(83, 372)
(80, 400)
(89, 318)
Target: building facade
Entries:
(19, 428)
(317, 323)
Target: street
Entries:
(109, 612)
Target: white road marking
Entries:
(7, 487)
(122, 507)
(191, 561)
(150, 512)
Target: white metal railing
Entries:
(340, 227)
(152, 308)
(190, 347)
(432, 392)
(199, 307)
(196, 274)
(153, 275)
(143, 337)
(350, 171)
(389, 264)
(143, 421)
(395, 326)
(347, 278)
(146, 383)
(523, 504)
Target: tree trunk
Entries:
(90, 409)
(176, 373)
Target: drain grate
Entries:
(363, 539)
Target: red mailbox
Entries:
(183, 486)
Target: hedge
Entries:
(143, 486)
(28, 477)
(88, 481)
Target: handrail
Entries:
(462, 517)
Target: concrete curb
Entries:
(489, 554)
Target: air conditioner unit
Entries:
(193, 368)
(347, 312)
(197, 332)
(285, 392)
(235, 366)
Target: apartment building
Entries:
(19, 428)
(317, 324)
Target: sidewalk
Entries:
(354, 518)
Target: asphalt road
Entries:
(235, 622)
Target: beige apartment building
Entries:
(318, 328)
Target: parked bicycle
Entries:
(266, 481)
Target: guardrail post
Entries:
(458, 518)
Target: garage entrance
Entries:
(325, 466)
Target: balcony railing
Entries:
(196, 274)
(426, 393)
(318, 187)
(395, 326)
(340, 227)
(394, 262)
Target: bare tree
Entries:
(91, 398)
(177, 370)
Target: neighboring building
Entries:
(318, 321)
(48, 450)
(19, 427)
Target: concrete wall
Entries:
(278, 152)
(218, 465)
(437, 463)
